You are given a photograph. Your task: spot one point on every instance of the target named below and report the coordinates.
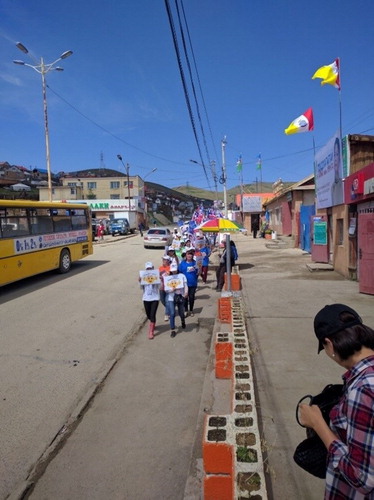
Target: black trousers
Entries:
(150, 307)
(190, 300)
(220, 274)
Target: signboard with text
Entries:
(252, 204)
(43, 241)
(328, 174)
(109, 205)
(320, 232)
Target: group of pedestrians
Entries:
(175, 285)
(185, 263)
(175, 288)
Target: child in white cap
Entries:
(151, 298)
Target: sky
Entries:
(121, 91)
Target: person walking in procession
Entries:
(151, 298)
(190, 269)
(164, 270)
(205, 252)
(175, 296)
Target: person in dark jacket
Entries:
(220, 273)
(255, 227)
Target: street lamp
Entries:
(149, 173)
(127, 168)
(144, 190)
(43, 68)
(213, 169)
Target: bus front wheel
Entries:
(65, 261)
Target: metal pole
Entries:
(241, 196)
(47, 152)
(43, 69)
(223, 143)
(228, 262)
(128, 183)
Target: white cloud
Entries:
(13, 80)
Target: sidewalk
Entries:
(282, 297)
(141, 436)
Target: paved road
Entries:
(60, 334)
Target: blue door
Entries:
(306, 212)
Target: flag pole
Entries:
(259, 167)
(340, 108)
(314, 160)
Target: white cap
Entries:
(148, 265)
(171, 248)
(166, 257)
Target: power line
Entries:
(110, 133)
(181, 72)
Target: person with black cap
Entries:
(349, 438)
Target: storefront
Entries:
(359, 196)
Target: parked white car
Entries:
(158, 237)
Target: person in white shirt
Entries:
(151, 299)
(175, 296)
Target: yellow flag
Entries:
(329, 74)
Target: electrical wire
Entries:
(109, 132)
(212, 163)
(182, 75)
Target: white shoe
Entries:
(166, 318)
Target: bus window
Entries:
(41, 221)
(14, 222)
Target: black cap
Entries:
(328, 321)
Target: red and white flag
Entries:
(303, 123)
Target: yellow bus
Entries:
(37, 236)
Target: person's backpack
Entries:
(234, 252)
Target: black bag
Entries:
(311, 454)
(178, 299)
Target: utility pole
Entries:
(215, 178)
(241, 196)
(223, 177)
(127, 167)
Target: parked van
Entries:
(119, 226)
